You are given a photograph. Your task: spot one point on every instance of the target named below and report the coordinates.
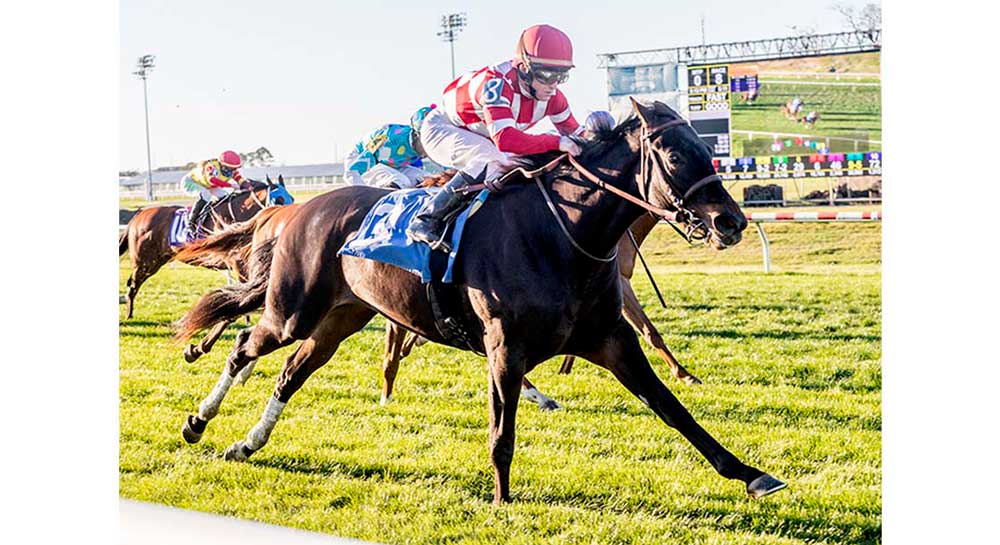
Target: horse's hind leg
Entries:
(195, 351)
(637, 317)
(531, 393)
(395, 337)
(312, 354)
(251, 343)
(621, 354)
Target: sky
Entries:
(308, 79)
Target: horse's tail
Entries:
(123, 241)
(230, 302)
(212, 252)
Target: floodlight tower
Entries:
(451, 25)
(143, 67)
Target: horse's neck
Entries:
(597, 218)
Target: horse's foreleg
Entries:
(506, 372)
(531, 393)
(412, 341)
(633, 312)
(395, 337)
(312, 354)
(621, 354)
(567, 365)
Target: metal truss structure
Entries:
(757, 50)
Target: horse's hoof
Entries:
(191, 353)
(764, 485)
(549, 405)
(384, 400)
(237, 452)
(193, 428)
(691, 380)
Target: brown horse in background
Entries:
(147, 236)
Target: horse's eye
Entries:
(674, 158)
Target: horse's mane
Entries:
(437, 179)
(602, 140)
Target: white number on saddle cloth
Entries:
(178, 229)
(492, 95)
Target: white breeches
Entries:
(460, 148)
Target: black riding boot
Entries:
(199, 205)
(429, 224)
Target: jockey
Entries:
(479, 128)
(390, 157)
(795, 106)
(210, 179)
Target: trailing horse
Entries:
(549, 286)
(147, 236)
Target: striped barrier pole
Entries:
(759, 218)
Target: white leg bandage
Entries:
(210, 406)
(244, 375)
(257, 437)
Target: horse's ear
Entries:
(268, 178)
(281, 180)
(662, 107)
(645, 113)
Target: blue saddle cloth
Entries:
(382, 236)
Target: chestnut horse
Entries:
(550, 286)
(147, 236)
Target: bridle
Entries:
(695, 230)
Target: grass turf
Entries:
(790, 360)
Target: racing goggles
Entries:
(226, 171)
(548, 77)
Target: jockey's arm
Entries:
(355, 165)
(563, 119)
(212, 175)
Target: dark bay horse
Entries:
(550, 286)
(240, 240)
(147, 236)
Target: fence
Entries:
(758, 218)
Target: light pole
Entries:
(143, 68)
(451, 25)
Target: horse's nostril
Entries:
(725, 224)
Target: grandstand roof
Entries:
(255, 173)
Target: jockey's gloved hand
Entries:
(569, 146)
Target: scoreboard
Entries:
(710, 105)
(800, 166)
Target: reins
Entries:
(695, 229)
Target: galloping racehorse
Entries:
(549, 286)
(147, 237)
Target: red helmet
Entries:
(544, 46)
(230, 159)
